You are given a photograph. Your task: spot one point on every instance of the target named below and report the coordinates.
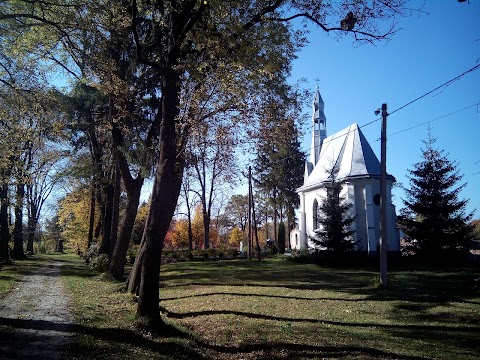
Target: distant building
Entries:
(351, 155)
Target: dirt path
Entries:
(37, 309)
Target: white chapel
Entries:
(349, 153)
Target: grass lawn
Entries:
(278, 309)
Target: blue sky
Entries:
(432, 47)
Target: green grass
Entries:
(278, 309)
(306, 311)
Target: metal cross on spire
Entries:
(317, 80)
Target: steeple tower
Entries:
(319, 133)
(319, 123)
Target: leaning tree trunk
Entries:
(145, 276)
(117, 263)
(133, 187)
(18, 252)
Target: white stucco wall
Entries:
(360, 193)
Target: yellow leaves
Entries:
(74, 215)
(236, 235)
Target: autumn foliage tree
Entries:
(73, 218)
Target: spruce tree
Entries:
(434, 215)
(334, 219)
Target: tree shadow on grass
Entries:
(423, 284)
(115, 339)
(78, 270)
(250, 295)
(434, 328)
(48, 267)
(176, 344)
(453, 337)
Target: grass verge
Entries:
(105, 324)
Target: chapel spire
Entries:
(319, 124)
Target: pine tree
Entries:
(334, 219)
(279, 164)
(434, 215)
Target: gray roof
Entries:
(349, 152)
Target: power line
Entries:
(438, 87)
(305, 152)
(438, 118)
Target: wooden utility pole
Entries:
(259, 255)
(383, 200)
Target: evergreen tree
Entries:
(434, 215)
(293, 167)
(279, 164)
(334, 219)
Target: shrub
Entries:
(274, 250)
(100, 263)
(92, 251)
(302, 256)
(44, 247)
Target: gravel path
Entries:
(37, 309)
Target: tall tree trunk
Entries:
(98, 230)
(101, 206)
(18, 252)
(289, 224)
(275, 234)
(255, 227)
(59, 245)
(266, 222)
(91, 223)
(190, 230)
(32, 226)
(145, 276)
(108, 192)
(185, 189)
(115, 210)
(4, 233)
(206, 230)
